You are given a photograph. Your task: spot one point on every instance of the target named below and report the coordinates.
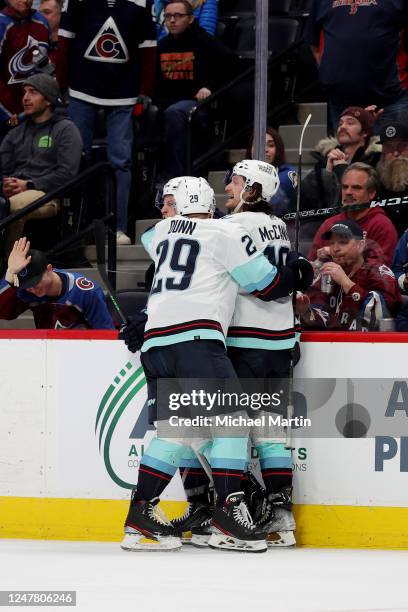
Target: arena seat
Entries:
(130, 302)
(282, 32)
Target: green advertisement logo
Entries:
(125, 387)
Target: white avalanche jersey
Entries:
(256, 324)
(198, 265)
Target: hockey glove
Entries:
(133, 332)
(302, 270)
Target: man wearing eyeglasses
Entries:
(191, 65)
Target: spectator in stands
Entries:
(349, 293)
(191, 68)
(107, 55)
(400, 263)
(51, 9)
(39, 155)
(205, 12)
(360, 185)
(57, 299)
(22, 30)
(284, 200)
(353, 143)
(393, 172)
(361, 49)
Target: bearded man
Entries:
(393, 172)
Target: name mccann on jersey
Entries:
(239, 421)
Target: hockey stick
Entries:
(290, 407)
(305, 215)
(99, 233)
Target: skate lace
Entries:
(157, 515)
(242, 516)
(185, 516)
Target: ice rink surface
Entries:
(194, 580)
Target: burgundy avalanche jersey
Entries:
(374, 295)
(106, 37)
(81, 304)
(18, 39)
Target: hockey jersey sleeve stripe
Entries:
(147, 238)
(147, 43)
(182, 327)
(66, 33)
(255, 274)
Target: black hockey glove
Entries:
(133, 332)
(302, 270)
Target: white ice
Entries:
(193, 580)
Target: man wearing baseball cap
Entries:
(393, 172)
(57, 299)
(41, 154)
(349, 293)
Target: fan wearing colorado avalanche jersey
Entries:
(22, 31)
(261, 336)
(200, 262)
(106, 55)
(57, 299)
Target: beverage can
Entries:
(326, 283)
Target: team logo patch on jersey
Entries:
(84, 284)
(390, 131)
(292, 174)
(108, 45)
(386, 271)
(356, 296)
(21, 64)
(354, 4)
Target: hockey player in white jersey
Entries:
(262, 336)
(199, 264)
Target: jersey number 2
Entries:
(185, 264)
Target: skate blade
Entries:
(200, 541)
(220, 541)
(282, 539)
(135, 542)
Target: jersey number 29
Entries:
(183, 258)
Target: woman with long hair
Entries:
(284, 200)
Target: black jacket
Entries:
(186, 64)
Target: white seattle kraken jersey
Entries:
(198, 265)
(257, 324)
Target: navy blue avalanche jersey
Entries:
(105, 39)
(363, 46)
(81, 305)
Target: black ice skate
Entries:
(233, 528)
(147, 528)
(278, 521)
(194, 527)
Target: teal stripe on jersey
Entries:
(257, 343)
(276, 462)
(229, 453)
(273, 450)
(202, 334)
(255, 274)
(163, 455)
(233, 464)
(147, 238)
(189, 459)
